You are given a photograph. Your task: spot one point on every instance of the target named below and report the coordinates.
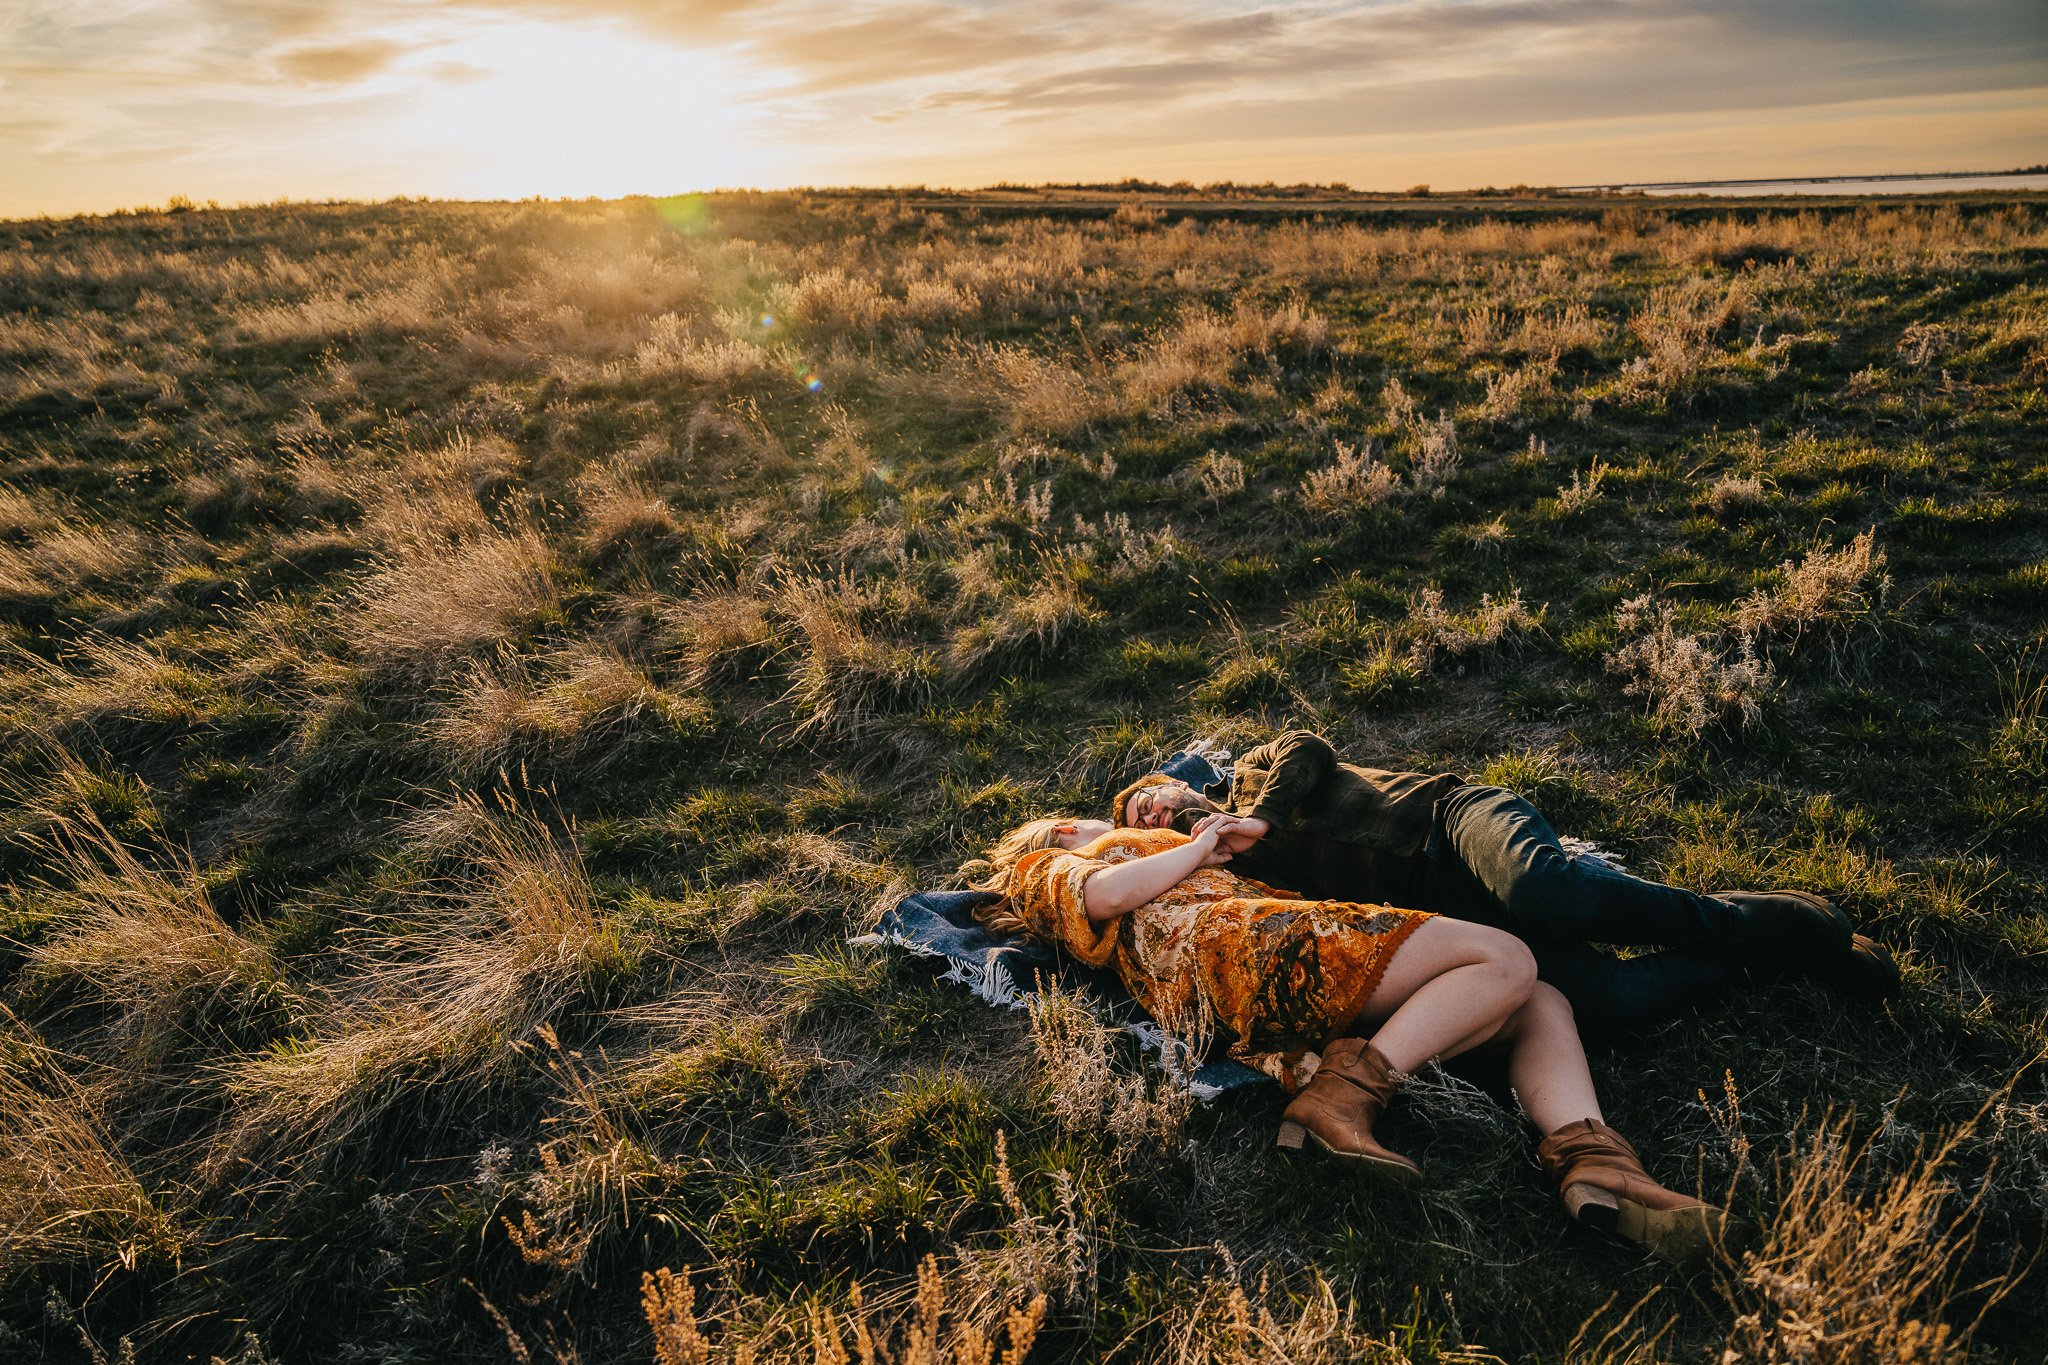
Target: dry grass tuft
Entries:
(1216, 1322)
(830, 303)
(1041, 394)
(621, 512)
(1055, 1259)
(1732, 493)
(1434, 456)
(1398, 406)
(1690, 680)
(1861, 1267)
(1128, 552)
(840, 1336)
(1222, 476)
(672, 350)
(1509, 392)
(582, 1193)
(1209, 352)
(1356, 482)
(500, 947)
(846, 674)
(1086, 1091)
(432, 498)
(722, 634)
(431, 606)
(2018, 750)
(63, 557)
(990, 503)
(1031, 626)
(23, 515)
(1584, 489)
(111, 683)
(1832, 591)
(1435, 633)
(573, 704)
(147, 945)
(66, 1193)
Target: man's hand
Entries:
(1216, 831)
(1244, 831)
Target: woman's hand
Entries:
(1123, 887)
(1211, 833)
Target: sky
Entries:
(119, 103)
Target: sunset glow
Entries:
(553, 110)
(243, 100)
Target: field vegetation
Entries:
(466, 670)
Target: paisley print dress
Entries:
(1281, 975)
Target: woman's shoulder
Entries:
(1122, 845)
(1034, 859)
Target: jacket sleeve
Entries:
(1295, 763)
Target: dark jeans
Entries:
(1493, 859)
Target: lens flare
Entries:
(686, 213)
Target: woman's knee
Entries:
(1502, 952)
(1547, 1005)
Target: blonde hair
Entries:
(993, 873)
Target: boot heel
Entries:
(1593, 1206)
(1291, 1136)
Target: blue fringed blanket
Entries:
(1006, 970)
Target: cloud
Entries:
(338, 65)
(912, 88)
(687, 20)
(458, 73)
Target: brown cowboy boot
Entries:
(1603, 1185)
(1337, 1107)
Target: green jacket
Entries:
(1339, 831)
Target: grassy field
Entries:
(468, 669)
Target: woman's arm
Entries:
(1122, 887)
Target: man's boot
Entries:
(1789, 922)
(1336, 1109)
(1867, 969)
(1603, 1185)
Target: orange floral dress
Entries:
(1281, 974)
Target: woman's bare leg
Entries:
(1547, 1062)
(1451, 986)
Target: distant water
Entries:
(1945, 184)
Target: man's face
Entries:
(1154, 807)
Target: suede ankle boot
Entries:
(1603, 1185)
(1336, 1110)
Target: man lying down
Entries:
(1326, 828)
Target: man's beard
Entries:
(1187, 817)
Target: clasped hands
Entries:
(1226, 834)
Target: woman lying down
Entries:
(1287, 977)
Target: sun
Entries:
(560, 111)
